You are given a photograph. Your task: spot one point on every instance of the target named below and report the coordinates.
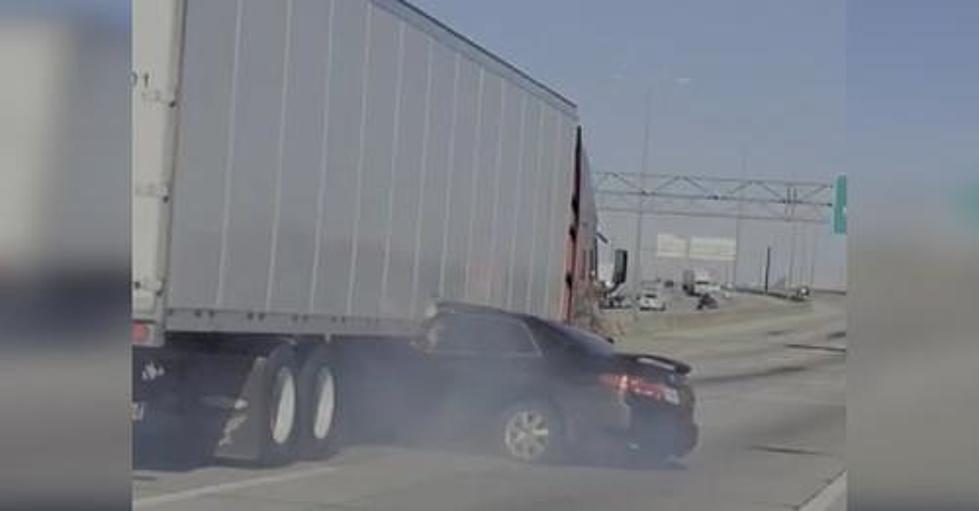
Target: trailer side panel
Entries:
(353, 160)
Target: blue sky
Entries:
(766, 78)
(111, 13)
(768, 74)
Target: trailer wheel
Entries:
(318, 398)
(277, 414)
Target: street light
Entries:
(637, 272)
(637, 265)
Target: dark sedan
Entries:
(536, 388)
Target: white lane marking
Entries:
(827, 497)
(180, 496)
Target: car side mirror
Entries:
(620, 267)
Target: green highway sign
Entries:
(839, 205)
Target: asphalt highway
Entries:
(771, 403)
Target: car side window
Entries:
(449, 333)
(460, 333)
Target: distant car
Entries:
(706, 301)
(615, 302)
(800, 294)
(537, 389)
(726, 290)
(651, 302)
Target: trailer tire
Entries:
(318, 425)
(278, 411)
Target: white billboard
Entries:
(671, 246)
(713, 249)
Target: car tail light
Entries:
(617, 382)
(641, 387)
(638, 386)
(141, 333)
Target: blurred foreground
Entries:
(64, 255)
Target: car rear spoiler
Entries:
(672, 364)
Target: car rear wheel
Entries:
(531, 432)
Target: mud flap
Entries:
(227, 393)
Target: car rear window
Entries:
(479, 334)
(583, 340)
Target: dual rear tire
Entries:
(276, 409)
(298, 413)
(318, 426)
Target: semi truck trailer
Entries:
(306, 171)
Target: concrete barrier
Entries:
(622, 321)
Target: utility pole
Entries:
(791, 280)
(812, 263)
(637, 265)
(804, 256)
(792, 198)
(737, 221)
(637, 279)
(768, 266)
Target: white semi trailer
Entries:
(308, 169)
(698, 281)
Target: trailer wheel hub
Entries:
(325, 403)
(284, 402)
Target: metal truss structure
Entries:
(714, 197)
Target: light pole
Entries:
(737, 221)
(812, 262)
(768, 266)
(637, 274)
(647, 113)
